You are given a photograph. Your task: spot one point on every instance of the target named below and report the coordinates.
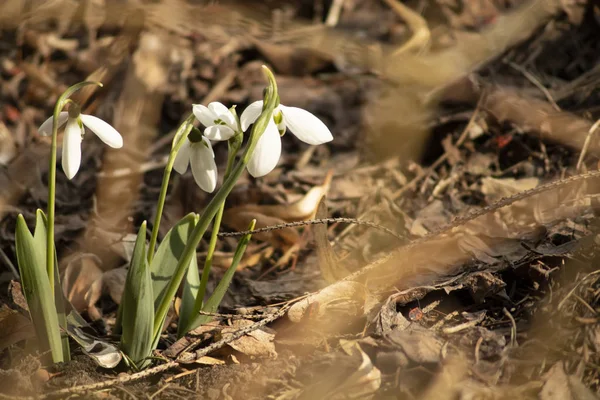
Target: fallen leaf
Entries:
(257, 343)
(268, 215)
(560, 386)
(365, 381)
(110, 282)
(81, 272)
(14, 327)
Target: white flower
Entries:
(74, 131)
(220, 123)
(304, 125)
(200, 154)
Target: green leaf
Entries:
(40, 237)
(31, 257)
(188, 298)
(212, 304)
(168, 254)
(138, 306)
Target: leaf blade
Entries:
(137, 305)
(31, 257)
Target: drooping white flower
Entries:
(304, 125)
(199, 153)
(74, 131)
(220, 123)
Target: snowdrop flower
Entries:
(220, 123)
(304, 125)
(197, 150)
(73, 136)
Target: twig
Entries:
(314, 222)
(334, 13)
(586, 144)
(536, 82)
(231, 316)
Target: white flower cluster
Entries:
(220, 125)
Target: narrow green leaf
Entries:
(188, 298)
(168, 254)
(40, 238)
(212, 304)
(138, 306)
(31, 257)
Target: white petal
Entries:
(218, 108)
(219, 132)
(182, 159)
(45, 128)
(103, 130)
(305, 126)
(204, 168)
(267, 152)
(204, 115)
(250, 114)
(223, 114)
(71, 150)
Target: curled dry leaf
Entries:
(238, 218)
(81, 272)
(365, 381)
(14, 327)
(84, 283)
(111, 282)
(257, 343)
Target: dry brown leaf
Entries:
(560, 386)
(364, 382)
(79, 275)
(14, 327)
(238, 218)
(304, 208)
(257, 343)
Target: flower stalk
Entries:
(63, 100)
(270, 102)
(180, 136)
(234, 146)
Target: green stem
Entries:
(233, 149)
(60, 104)
(270, 102)
(182, 133)
(51, 199)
